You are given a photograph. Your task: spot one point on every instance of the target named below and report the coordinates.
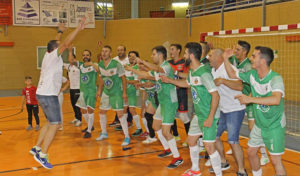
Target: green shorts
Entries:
(273, 139)
(166, 113)
(196, 128)
(249, 112)
(132, 99)
(114, 102)
(87, 99)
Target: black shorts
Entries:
(182, 94)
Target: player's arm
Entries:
(213, 108)
(100, 86)
(143, 102)
(22, 103)
(178, 83)
(229, 69)
(183, 75)
(124, 84)
(61, 29)
(274, 99)
(133, 82)
(232, 84)
(141, 74)
(66, 86)
(95, 66)
(151, 66)
(67, 42)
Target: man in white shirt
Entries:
(232, 112)
(74, 77)
(123, 59)
(47, 94)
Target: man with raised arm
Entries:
(47, 94)
(267, 91)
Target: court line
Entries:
(90, 160)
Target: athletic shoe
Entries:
(137, 132)
(177, 138)
(175, 163)
(190, 172)
(37, 128)
(34, 151)
(229, 152)
(264, 160)
(85, 130)
(118, 128)
(44, 161)
(130, 124)
(78, 123)
(114, 123)
(102, 136)
(224, 166)
(242, 174)
(145, 134)
(126, 141)
(149, 140)
(61, 128)
(73, 121)
(185, 144)
(165, 153)
(87, 135)
(208, 163)
(29, 128)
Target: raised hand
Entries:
(82, 24)
(227, 53)
(62, 27)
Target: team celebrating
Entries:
(225, 86)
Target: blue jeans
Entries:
(231, 121)
(51, 108)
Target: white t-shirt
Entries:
(122, 62)
(74, 76)
(51, 74)
(227, 102)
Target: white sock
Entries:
(194, 154)
(145, 124)
(136, 119)
(263, 152)
(124, 124)
(215, 160)
(257, 173)
(90, 122)
(162, 140)
(173, 148)
(86, 117)
(103, 122)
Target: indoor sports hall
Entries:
(95, 26)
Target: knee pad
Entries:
(184, 117)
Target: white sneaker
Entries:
(229, 152)
(264, 160)
(73, 121)
(208, 163)
(77, 123)
(149, 140)
(102, 136)
(61, 128)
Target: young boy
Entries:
(31, 103)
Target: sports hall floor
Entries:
(73, 155)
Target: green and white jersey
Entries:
(131, 89)
(149, 90)
(202, 84)
(88, 77)
(166, 92)
(243, 67)
(111, 76)
(266, 117)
